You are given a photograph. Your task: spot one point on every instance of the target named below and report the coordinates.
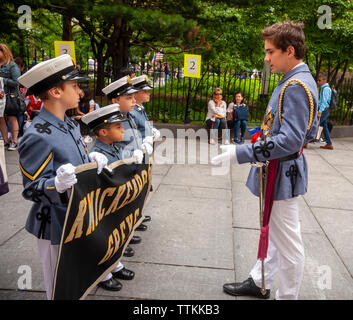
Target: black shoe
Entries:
(246, 288)
(111, 285)
(129, 252)
(124, 274)
(141, 227)
(147, 219)
(151, 188)
(135, 240)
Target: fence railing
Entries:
(178, 99)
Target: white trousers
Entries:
(285, 253)
(49, 256)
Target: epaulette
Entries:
(295, 82)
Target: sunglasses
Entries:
(217, 94)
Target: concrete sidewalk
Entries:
(205, 229)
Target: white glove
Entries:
(147, 148)
(156, 133)
(138, 155)
(65, 177)
(228, 155)
(101, 160)
(148, 139)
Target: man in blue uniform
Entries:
(49, 151)
(289, 122)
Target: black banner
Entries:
(102, 214)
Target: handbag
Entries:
(15, 105)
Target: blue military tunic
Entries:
(46, 145)
(286, 139)
(131, 140)
(112, 152)
(142, 122)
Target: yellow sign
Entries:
(192, 65)
(62, 47)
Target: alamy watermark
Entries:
(24, 282)
(325, 21)
(25, 20)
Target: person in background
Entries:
(216, 116)
(240, 116)
(9, 73)
(324, 109)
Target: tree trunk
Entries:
(340, 81)
(67, 28)
(119, 50)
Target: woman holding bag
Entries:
(9, 72)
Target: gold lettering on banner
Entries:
(109, 251)
(94, 201)
(127, 197)
(129, 221)
(76, 229)
(117, 238)
(139, 182)
(114, 204)
(122, 230)
(109, 191)
(137, 212)
(92, 222)
(96, 205)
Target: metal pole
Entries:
(188, 101)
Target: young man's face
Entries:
(70, 94)
(126, 102)
(276, 58)
(115, 132)
(143, 96)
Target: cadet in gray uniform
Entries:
(139, 113)
(106, 124)
(122, 92)
(284, 132)
(48, 153)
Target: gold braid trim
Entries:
(311, 101)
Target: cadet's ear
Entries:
(291, 51)
(54, 92)
(103, 132)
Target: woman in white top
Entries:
(216, 116)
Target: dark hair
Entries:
(102, 126)
(84, 101)
(239, 92)
(21, 63)
(45, 95)
(285, 34)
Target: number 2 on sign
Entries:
(192, 67)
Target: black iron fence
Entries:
(176, 98)
(180, 99)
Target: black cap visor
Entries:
(116, 117)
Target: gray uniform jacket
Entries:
(111, 152)
(142, 122)
(47, 144)
(131, 140)
(287, 139)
